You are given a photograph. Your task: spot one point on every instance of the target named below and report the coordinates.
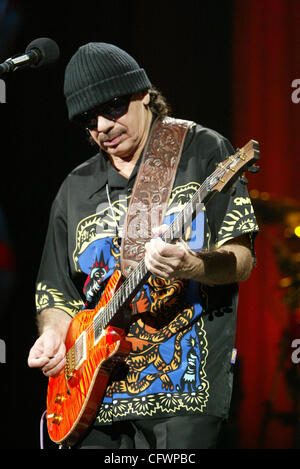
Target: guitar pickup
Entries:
(80, 350)
(98, 327)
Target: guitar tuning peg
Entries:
(243, 180)
(253, 169)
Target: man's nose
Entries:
(104, 124)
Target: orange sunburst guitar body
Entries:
(74, 396)
(94, 345)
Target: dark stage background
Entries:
(228, 65)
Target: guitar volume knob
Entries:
(59, 398)
(55, 418)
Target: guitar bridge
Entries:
(75, 356)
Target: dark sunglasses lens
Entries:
(111, 111)
(91, 123)
(116, 110)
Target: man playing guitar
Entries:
(175, 386)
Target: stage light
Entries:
(297, 231)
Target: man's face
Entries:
(125, 136)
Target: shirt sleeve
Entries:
(55, 288)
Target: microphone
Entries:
(39, 52)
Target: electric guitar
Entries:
(96, 342)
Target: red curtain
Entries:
(266, 61)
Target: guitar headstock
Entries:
(234, 166)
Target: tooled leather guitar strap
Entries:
(152, 188)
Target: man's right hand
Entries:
(48, 353)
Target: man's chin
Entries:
(120, 151)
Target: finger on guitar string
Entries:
(159, 230)
(163, 259)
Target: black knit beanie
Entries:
(98, 72)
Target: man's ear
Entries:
(146, 98)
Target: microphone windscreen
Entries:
(48, 51)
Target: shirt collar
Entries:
(98, 173)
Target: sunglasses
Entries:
(111, 110)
